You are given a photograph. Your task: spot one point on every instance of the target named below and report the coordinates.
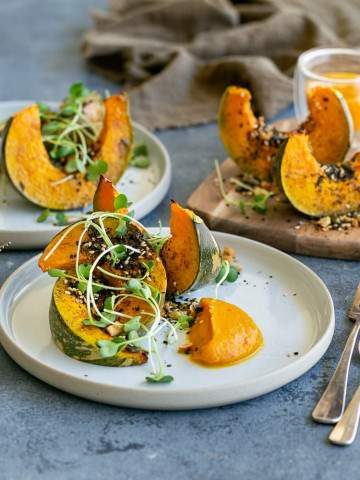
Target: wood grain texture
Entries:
(276, 227)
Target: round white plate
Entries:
(146, 188)
(289, 302)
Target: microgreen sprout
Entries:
(57, 272)
(159, 378)
(44, 215)
(70, 133)
(259, 200)
(132, 325)
(224, 270)
(140, 156)
(60, 218)
(157, 240)
(133, 329)
(183, 322)
(121, 201)
(232, 272)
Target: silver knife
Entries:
(331, 405)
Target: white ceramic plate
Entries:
(146, 188)
(289, 302)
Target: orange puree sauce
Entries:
(223, 334)
(351, 92)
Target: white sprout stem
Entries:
(112, 275)
(102, 226)
(120, 277)
(73, 121)
(62, 237)
(83, 146)
(225, 196)
(89, 291)
(172, 328)
(89, 124)
(241, 184)
(117, 314)
(222, 279)
(160, 365)
(99, 229)
(90, 299)
(131, 295)
(120, 216)
(152, 339)
(63, 180)
(86, 228)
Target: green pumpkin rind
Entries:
(3, 138)
(277, 163)
(187, 270)
(306, 185)
(210, 255)
(73, 346)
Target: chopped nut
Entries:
(229, 254)
(114, 330)
(324, 222)
(186, 348)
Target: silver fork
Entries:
(344, 433)
(330, 407)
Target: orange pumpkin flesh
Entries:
(223, 334)
(191, 256)
(116, 137)
(79, 341)
(105, 195)
(181, 253)
(240, 133)
(310, 186)
(329, 125)
(253, 145)
(67, 314)
(104, 199)
(32, 172)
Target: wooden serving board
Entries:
(282, 226)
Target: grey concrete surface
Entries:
(48, 434)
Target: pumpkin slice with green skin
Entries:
(64, 255)
(314, 189)
(67, 312)
(34, 175)
(191, 256)
(253, 145)
(79, 341)
(244, 136)
(104, 201)
(223, 334)
(329, 125)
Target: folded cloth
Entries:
(176, 57)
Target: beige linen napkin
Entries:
(176, 57)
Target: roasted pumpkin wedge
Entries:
(315, 189)
(79, 341)
(223, 334)
(191, 256)
(253, 145)
(329, 125)
(107, 257)
(105, 195)
(69, 308)
(65, 242)
(46, 183)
